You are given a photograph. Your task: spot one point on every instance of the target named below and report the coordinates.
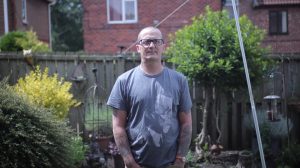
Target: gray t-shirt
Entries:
(152, 104)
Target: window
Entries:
(278, 23)
(24, 11)
(228, 6)
(122, 11)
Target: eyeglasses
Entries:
(147, 42)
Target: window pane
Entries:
(284, 22)
(24, 11)
(115, 10)
(228, 6)
(273, 22)
(129, 10)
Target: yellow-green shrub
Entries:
(22, 40)
(47, 91)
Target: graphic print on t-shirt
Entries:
(163, 114)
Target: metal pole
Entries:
(5, 10)
(261, 152)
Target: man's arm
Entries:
(185, 135)
(119, 120)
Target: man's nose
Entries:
(151, 44)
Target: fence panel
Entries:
(87, 71)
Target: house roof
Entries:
(276, 2)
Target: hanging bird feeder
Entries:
(272, 111)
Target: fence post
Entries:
(120, 66)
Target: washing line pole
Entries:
(261, 152)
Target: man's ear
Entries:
(138, 48)
(164, 47)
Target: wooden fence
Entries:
(89, 71)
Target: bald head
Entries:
(149, 29)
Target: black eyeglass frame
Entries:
(156, 42)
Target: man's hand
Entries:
(179, 163)
(130, 163)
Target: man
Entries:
(152, 123)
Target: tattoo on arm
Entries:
(120, 134)
(185, 137)
(123, 145)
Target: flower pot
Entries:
(103, 142)
(245, 159)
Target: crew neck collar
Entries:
(149, 75)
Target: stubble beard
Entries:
(151, 57)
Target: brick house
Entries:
(106, 30)
(280, 19)
(25, 15)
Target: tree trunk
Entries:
(217, 108)
(203, 138)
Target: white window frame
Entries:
(24, 11)
(123, 21)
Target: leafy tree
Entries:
(208, 51)
(66, 18)
(22, 40)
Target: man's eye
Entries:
(155, 41)
(149, 41)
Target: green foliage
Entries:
(67, 25)
(206, 152)
(30, 136)
(8, 41)
(208, 50)
(47, 91)
(18, 41)
(191, 159)
(31, 42)
(266, 137)
(78, 150)
(290, 156)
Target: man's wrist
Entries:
(180, 158)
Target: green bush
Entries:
(19, 40)
(8, 42)
(78, 150)
(30, 136)
(47, 91)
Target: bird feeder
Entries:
(272, 111)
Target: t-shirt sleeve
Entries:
(117, 96)
(185, 103)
